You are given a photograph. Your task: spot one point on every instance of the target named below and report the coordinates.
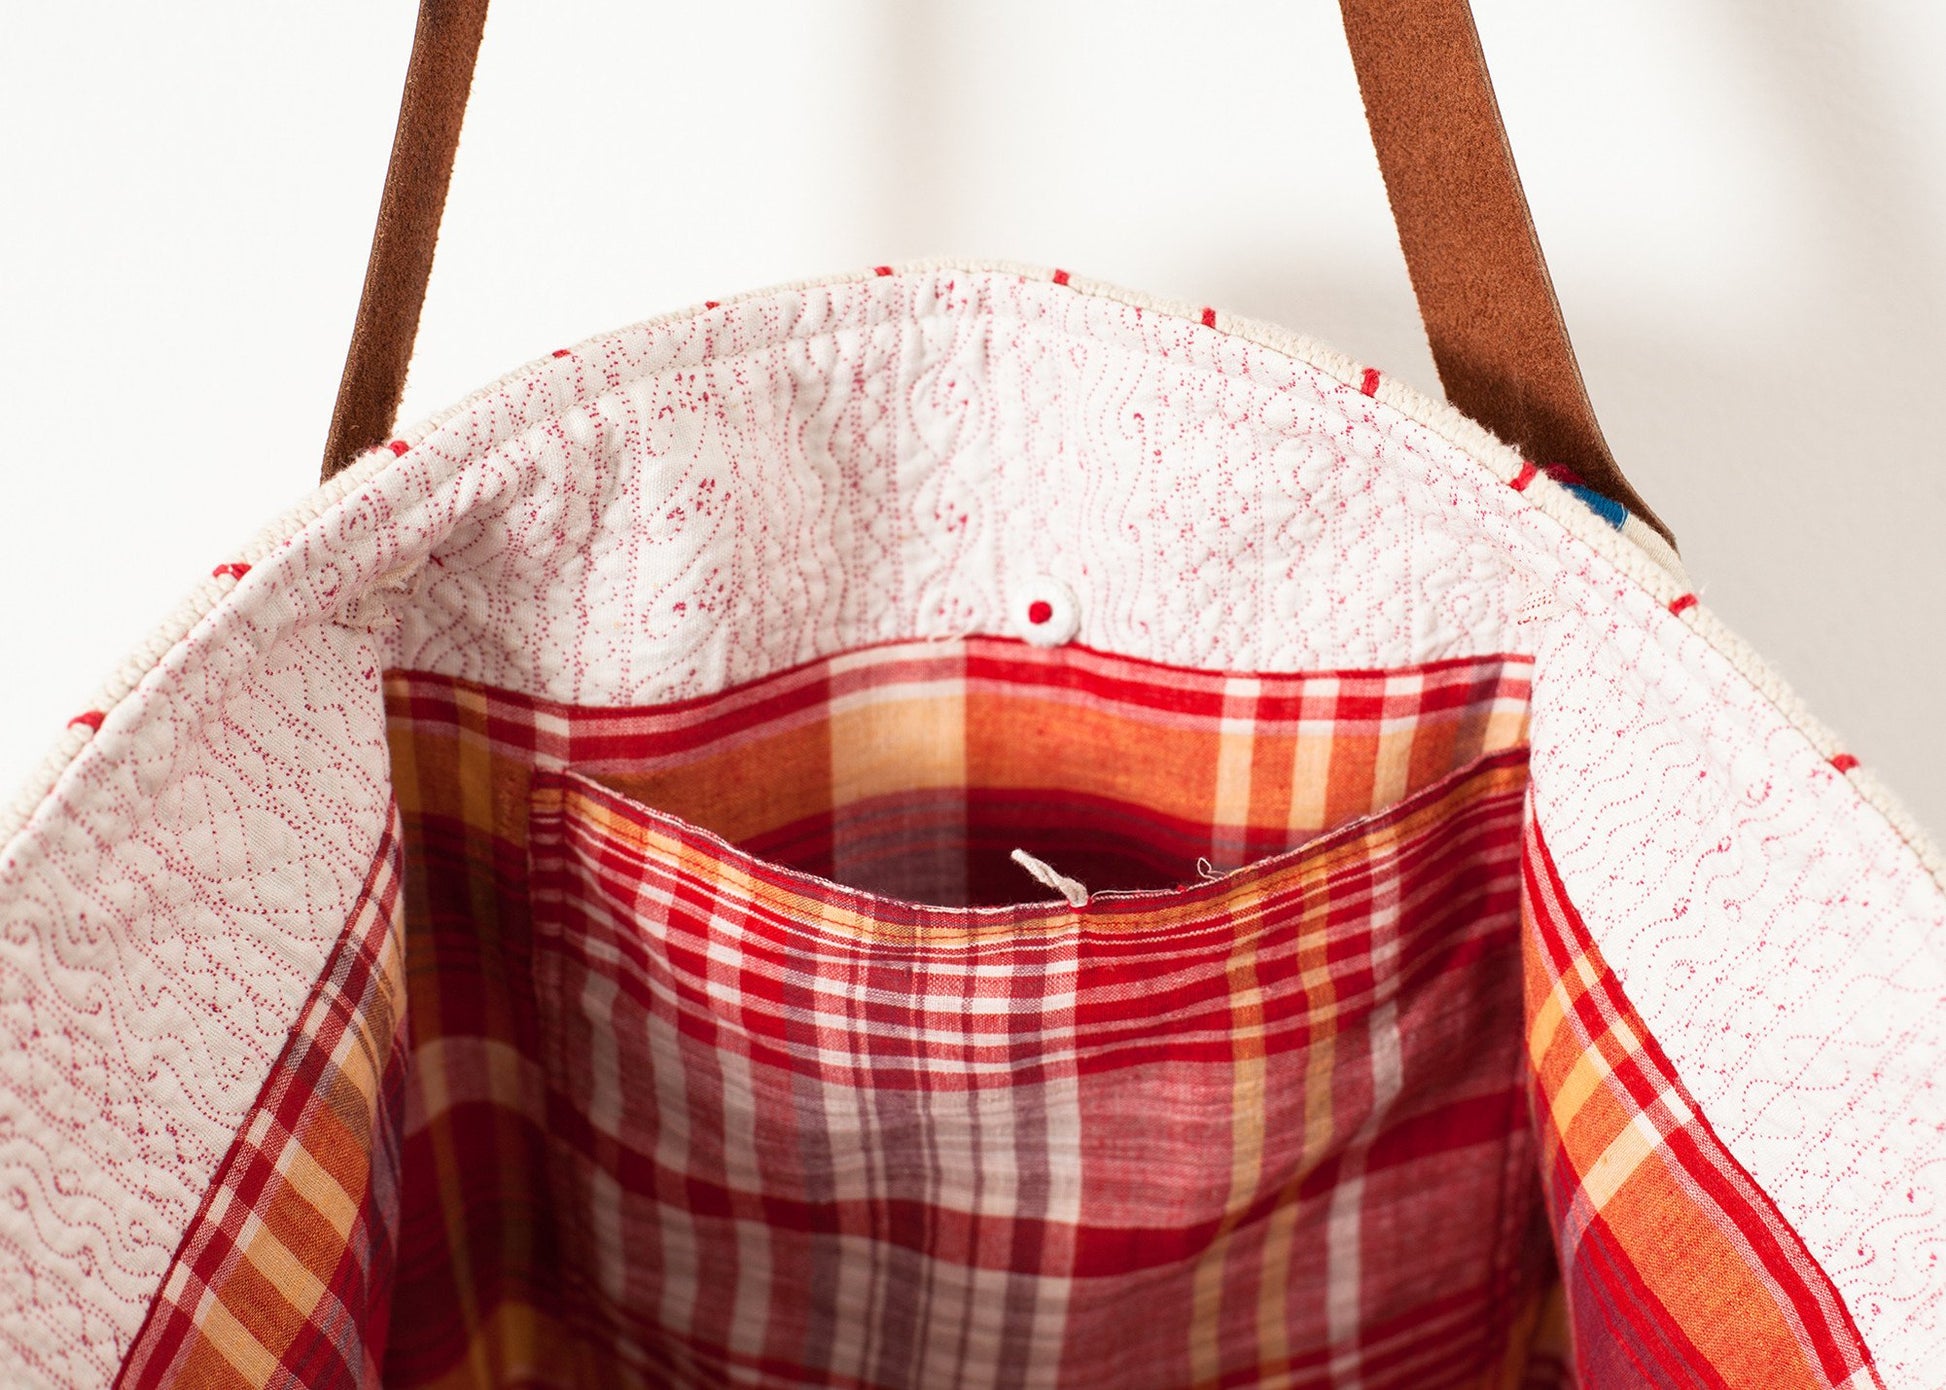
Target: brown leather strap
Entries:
(437, 81)
(1495, 327)
(1491, 316)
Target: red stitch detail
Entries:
(1060, 277)
(91, 720)
(882, 269)
(1039, 611)
(560, 352)
(1844, 762)
(1370, 384)
(398, 446)
(711, 303)
(1682, 603)
(1209, 318)
(1526, 476)
(233, 570)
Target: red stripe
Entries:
(1462, 1124)
(1209, 318)
(1641, 1319)
(231, 570)
(1682, 603)
(774, 949)
(1736, 1205)
(90, 719)
(1137, 1001)
(643, 737)
(1844, 762)
(398, 446)
(641, 733)
(1369, 385)
(1768, 1239)
(881, 270)
(1524, 477)
(1060, 277)
(298, 1095)
(853, 1019)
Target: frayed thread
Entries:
(1047, 876)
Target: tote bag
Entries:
(957, 826)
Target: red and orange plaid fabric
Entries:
(285, 1277)
(1266, 1130)
(684, 1113)
(679, 1111)
(915, 770)
(1678, 1269)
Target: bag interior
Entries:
(663, 1002)
(612, 1175)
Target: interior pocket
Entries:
(796, 1125)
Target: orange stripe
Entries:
(652, 836)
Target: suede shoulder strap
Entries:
(1484, 293)
(438, 79)
(1489, 307)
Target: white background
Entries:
(1742, 200)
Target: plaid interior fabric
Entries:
(285, 1276)
(683, 1112)
(1678, 1269)
(915, 770)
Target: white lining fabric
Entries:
(701, 500)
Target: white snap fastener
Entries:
(1046, 613)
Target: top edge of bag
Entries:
(1639, 554)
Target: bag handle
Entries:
(438, 79)
(1490, 312)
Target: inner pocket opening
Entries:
(916, 771)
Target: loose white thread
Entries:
(1075, 893)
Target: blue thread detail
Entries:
(1607, 508)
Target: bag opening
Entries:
(827, 1067)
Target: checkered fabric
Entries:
(683, 1113)
(285, 1276)
(1678, 1269)
(914, 770)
